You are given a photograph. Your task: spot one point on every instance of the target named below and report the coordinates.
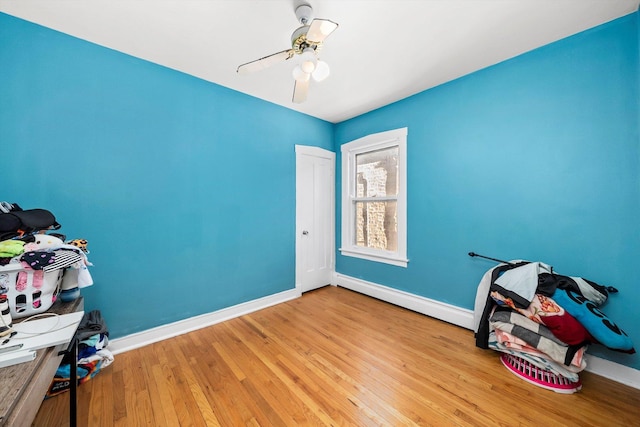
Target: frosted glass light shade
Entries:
(308, 63)
(300, 75)
(321, 72)
(308, 66)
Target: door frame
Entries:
(325, 154)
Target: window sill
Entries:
(387, 259)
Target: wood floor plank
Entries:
(119, 408)
(100, 403)
(362, 361)
(332, 357)
(200, 406)
(357, 349)
(237, 402)
(290, 367)
(276, 387)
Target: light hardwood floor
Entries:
(331, 357)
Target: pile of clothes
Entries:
(44, 265)
(525, 309)
(36, 267)
(93, 355)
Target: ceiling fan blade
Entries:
(320, 29)
(267, 61)
(300, 91)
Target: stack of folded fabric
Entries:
(544, 320)
(93, 338)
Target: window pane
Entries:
(377, 173)
(377, 225)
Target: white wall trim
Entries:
(315, 151)
(464, 318)
(446, 312)
(303, 260)
(614, 371)
(170, 330)
(439, 310)
(350, 151)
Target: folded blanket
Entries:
(537, 336)
(538, 359)
(544, 310)
(512, 342)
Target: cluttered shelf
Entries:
(48, 345)
(23, 386)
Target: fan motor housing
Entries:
(299, 40)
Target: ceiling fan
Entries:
(306, 43)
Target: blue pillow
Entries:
(599, 326)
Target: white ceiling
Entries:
(383, 51)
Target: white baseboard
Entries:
(614, 371)
(449, 313)
(464, 318)
(439, 310)
(160, 333)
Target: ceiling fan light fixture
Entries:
(306, 44)
(299, 75)
(308, 66)
(309, 60)
(321, 72)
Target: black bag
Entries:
(20, 222)
(9, 223)
(36, 219)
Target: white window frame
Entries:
(374, 142)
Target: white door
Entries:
(315, 217)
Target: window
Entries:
(374, 201)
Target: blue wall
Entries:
(534, 158)
(184, 189)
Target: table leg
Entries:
(73, 396)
